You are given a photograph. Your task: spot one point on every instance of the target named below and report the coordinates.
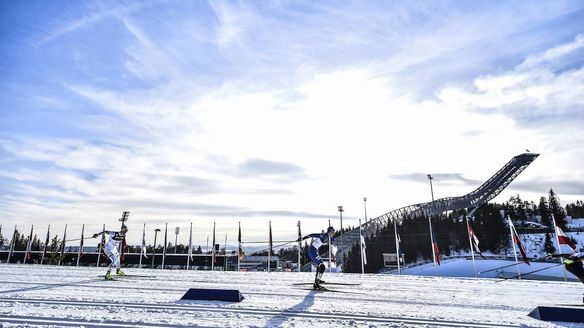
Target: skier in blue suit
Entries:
(319, 239)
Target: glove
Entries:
(95, 235)
(568, 261)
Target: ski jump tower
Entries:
(487, 191)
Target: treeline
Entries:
(451, 234)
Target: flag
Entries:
(63, 243)
(397, 234)
(81, 242)
(270, 248)
(519, 244)
(474, 240)
(240, 243)
(435, 248)
(270, 240)
(29, 245)
(102, 243)
(363, 247)
(123, 247)
(144, 242)
(12, 244)
(299, 233)
(563, 239)
(397, 241)
(47, 242)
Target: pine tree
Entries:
(575, 210)
(557, 210)
(548, 245)
(544, 212)
(55, 256)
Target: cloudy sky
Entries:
(230, 111)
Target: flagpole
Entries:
(432, 241)
(513, 243)
(471, 246)
(213, 250)
(270, 246)
(80, 244)
(190, 252)
(299, 244)
(100, 245)
(559, 246)
(46, 243)
(28, 245)
(165, 242)
(397, 250)
(361, 247)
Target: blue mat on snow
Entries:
(225, 295)
(563, 314)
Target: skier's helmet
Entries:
(124, 229)
(330, 230)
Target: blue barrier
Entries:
(564, 314)
(225, 295)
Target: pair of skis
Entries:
(130, 277)
(322, 288)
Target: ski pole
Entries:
(68, 240)
(530, 272)
(265, 242)
(265, 249)
(505, 266)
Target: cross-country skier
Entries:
(574, 265)
(111, 250)
(319, 239)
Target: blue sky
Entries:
(252, 111)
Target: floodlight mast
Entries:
(125, 217)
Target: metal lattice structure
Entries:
(487, 191)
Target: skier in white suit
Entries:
(111, 250)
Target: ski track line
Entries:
(336, 296)
(263, 312)
(28, 320)
(49, 286)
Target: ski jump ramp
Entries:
(487, 191)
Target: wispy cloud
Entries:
(439, 178)
(257, 167)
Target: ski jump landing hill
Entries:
(487, 191)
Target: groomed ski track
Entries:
(33, 295)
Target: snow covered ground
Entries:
(69, 296)
(464, 268)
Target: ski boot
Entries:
(317, 286)
(119, 272)
(108, 276)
